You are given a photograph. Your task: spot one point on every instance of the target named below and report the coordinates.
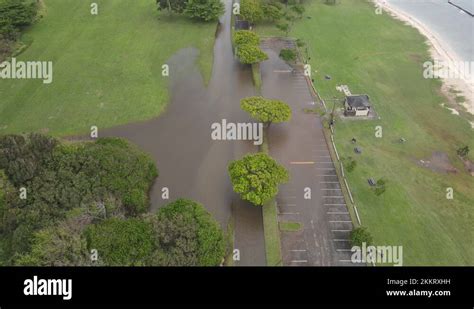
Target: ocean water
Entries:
(453, 26)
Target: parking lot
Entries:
(300, 145)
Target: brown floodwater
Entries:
(191, 164)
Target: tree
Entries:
(128, 242)
(243, 37)
(185, 234)
(266, 110)
(361, 235)
(251, 11)
(251, 54)
(256, 177)
(62, 245)
(104, 179)
(206, 10)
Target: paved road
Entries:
(190, 164)
(300, 146)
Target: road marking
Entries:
(299, 261)
(344, 250)
(341, 230)
(302, 162)
(281, 71)
(326, 168)
(329, 182)
(298, 250)
(289, 213)
(345, 261)
(341, 240)
(329, 196)
(331, 189)
(337, 213)
(334, 204)
(330, 162)
(340, 221)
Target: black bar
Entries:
(240, 285)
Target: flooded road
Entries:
(192, 165)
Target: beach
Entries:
(462, 85)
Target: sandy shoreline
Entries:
(439, 51)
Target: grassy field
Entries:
(380, 56)
(107, 68)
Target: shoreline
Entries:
(440, 51)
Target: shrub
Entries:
(361, 235)
(121, 242)
(288, 55)
(186, 235)
(243, 37)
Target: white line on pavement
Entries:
(337, 213)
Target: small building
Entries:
(357, 105)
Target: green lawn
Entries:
(378, 55)
(272, 234)
(107, 68)
(290, 226)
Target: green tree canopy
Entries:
(251, 11)
(243, 37)
(256, 177)
(120, 242)
(206, 10)
(186, 235)
(266, 110)
(250, 54)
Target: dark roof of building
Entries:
(358, 100)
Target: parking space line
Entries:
(344, 250)
(341, 240)
(331, 189)
(337, 213)
(289, 213)
(302, 162)
(299, 261)
(298, 250)
(334, 204)
(329, 196)
(341, 230)
(339, 221)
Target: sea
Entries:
(449, 19)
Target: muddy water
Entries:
(190, 163)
